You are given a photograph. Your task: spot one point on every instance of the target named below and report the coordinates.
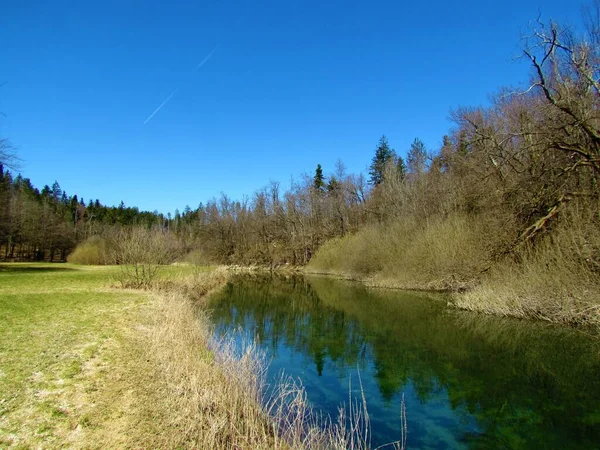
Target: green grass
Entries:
(61, 328)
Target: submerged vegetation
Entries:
(506, 211)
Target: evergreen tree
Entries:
(73, 207)
(319, 179)
(417, 157)
(401, 167)
(333, 186)
(56, 191)
(46, 191)
(383, 155)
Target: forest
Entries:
(505, 211)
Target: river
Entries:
(469, 381)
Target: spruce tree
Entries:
(383, 155)
(401, 167)
(56, 191)
(333, 185)
(417, 157)
(319, 179)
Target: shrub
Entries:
(141, 253)
(442, 253)
(94, 251)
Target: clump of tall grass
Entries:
(217, 390)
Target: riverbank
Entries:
(535, 291)
(494, 296)
(554, 281)
(88, 364)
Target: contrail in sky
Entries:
(175, 91)
(161, 105)
(207, 58)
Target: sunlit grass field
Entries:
(85, 363)
(70, 355)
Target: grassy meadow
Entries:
(70, 355)
(82, 364)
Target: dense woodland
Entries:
(518, 175)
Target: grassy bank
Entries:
(442, 255)
(553, 281)
(87, 364)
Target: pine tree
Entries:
(56, 191)
(383, 155)
(46, 191)
(319, 179)
(333, 185)
(417, 157)
(401, 167)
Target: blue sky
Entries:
(289, 84)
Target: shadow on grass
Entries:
(31, 268)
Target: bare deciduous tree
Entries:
(142, 253)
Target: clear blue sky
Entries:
(289, 84)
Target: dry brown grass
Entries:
(439, 255)
(211, 394)
(557, 281)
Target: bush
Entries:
(198, 257)
(141, 253)
(441, 254)
(94, 251)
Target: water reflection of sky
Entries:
(469, 381)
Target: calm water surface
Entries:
(470, 381)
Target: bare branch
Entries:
(8, 155)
